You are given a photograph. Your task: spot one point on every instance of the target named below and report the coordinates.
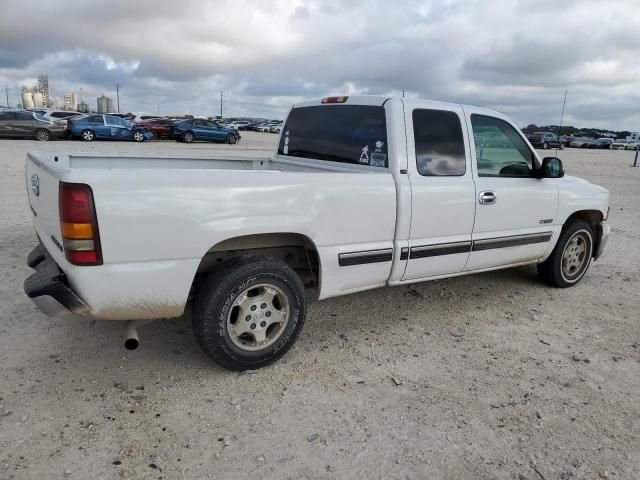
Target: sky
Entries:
(514, 56)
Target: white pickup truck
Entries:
(363, 192)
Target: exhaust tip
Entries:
(131, 343)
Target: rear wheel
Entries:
(571, 257)
(42, 135)
(187, 137)
(249, 312)
(88, 135)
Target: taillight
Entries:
(334, 99)
(79, 224)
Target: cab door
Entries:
(442, 190)
(515, 211)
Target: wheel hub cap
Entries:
(258, 317)
(574, 256)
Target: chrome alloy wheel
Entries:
(576, 255)
(258, 316)
(138, 136)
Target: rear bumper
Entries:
(48, 289)
(604, 236)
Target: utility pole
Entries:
(118, 96)
(221, 104)
(6, 90)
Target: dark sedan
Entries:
(601, 143)
(24, 124)
(200, 129)
(545, 140)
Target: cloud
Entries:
(513, 56)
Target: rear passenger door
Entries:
(96, 122)
(442, 191)
(515, 212)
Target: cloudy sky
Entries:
(516, 56)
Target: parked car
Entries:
(581, 142)
(619, 144)
(25, 124)
(601, 143)
(144, 117)
(238, 239)
(545, 140)
(240, 125)
(276, 127)
(632, 145)
(568, 139)
(198, 129)
(162, 128)
(107, 127)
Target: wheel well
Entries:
(594, 219)
(295, 249)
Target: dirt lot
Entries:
(488, 385)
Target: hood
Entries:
(581, 181)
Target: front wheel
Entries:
(232, 139)
(571, 257)
(249, 312)
(138, 136)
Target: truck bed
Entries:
(158, 217)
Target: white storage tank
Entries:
(27, 99)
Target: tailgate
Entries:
(42, 175)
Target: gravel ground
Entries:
(491, 376)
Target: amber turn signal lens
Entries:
(77, 231)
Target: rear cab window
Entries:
(353, 134)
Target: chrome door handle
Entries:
(487, 197)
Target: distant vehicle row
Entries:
(547, 140)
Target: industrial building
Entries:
(70, 102)
(105, 104)
(38, 96)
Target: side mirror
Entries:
(551, 168)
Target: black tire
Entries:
(188, 137)
(232, 139)
(551, 271)
(214, 304)
(42, 135)
(87, 135)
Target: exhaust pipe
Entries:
(132, 340)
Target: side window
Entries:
(439, 143)
(355, 134)
(500, 151)
(24, 116)
(5, 116)
(198, 123)
(111, 120)
(95, 120)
